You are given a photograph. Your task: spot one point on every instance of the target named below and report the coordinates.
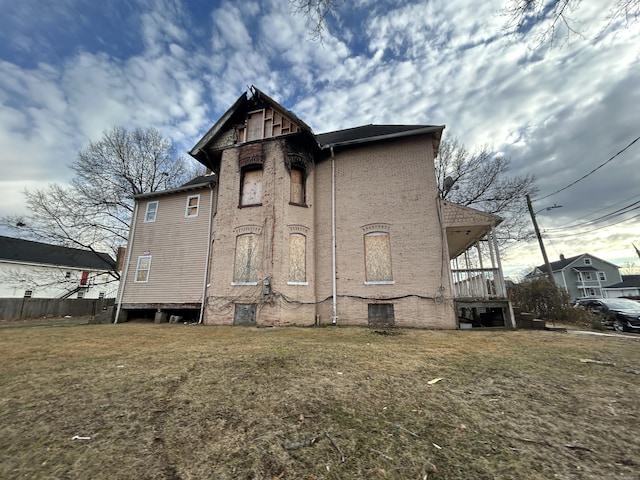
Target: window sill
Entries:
(303, 205)
(236, 284)
(250, 205)
(298, 283)
(381, 282)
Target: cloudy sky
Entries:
(72, 68)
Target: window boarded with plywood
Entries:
(381, 314)
(297, 258)
(297, 186)
(377, 248)
(245, 269)
(251, 189)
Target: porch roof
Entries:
(465, 226)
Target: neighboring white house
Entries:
(628, 287)
(39, 270)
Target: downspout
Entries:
(208, 259)
(126, 267)
(333, 240)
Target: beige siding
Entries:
(178, 247)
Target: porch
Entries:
(478, 285)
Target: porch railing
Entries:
(478, 283)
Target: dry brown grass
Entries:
(193, 402)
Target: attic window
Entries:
(255, 126)
(587, 261)
(28, 293)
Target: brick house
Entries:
(291, 227)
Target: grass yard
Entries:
(193, 402)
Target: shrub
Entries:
(542, 298)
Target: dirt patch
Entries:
(178, 402)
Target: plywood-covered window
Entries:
(251, 187)
(297, 186)
(255, 126)
(151, 212)
(143, 268)
(245, 269)
(193, 202)
(297, 259)
(377, 251)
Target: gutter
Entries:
(208, 259)
(409, 133)
(127, 263)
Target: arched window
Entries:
(297, 259)
(245, 269)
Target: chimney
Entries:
(562, 256)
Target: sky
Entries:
(71, 69)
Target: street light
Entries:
(535, 226)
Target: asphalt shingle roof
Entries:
(367, 133)
(628, 281)
(19, 250)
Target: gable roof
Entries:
(372, 133)
(243, 103)
(628, 281)
(28, 251)
(563, 263)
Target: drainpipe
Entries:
(333, 239)
(126, 266)
(207, 261)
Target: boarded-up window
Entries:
(377, 250)
(244, 314)
(255, 125)
(246, 262)
(297, 258)
(193, 201)
(143, 268)
(152, 210)
(297, 186)
(251, 188)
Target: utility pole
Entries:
(544, 252)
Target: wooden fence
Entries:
(25, 308)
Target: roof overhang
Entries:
(181, 189)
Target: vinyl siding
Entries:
(178, 247)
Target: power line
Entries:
(562, 235)
(592, 171)
(608, 216)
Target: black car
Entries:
(620, 313)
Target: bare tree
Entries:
(553, 18)
(94, 212)
(480, 180)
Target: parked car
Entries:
(622, 314)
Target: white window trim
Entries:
(298, 283)
(235, 284)
(135, 278)
(146, 213)
(587, 261)
(197, 207)
(380, 282)
(603, 275)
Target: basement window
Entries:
(151, 212)
(193, 202)
(142, 269)
(381, 315)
